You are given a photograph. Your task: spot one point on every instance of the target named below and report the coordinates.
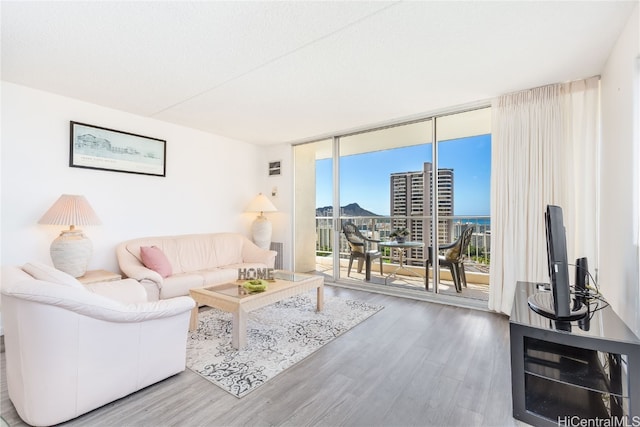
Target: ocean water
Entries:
(473, 220)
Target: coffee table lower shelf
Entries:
(232, 298)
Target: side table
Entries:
(94, 276)
(583, 372)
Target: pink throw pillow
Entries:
(154, 259)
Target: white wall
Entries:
(619, 264)
(282, 221)
(210, 179)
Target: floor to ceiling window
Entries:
(392, 178)
(464, 177)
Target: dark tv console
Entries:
(565, 371)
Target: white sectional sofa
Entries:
(194, 260)
(71, 349)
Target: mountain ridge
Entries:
(352, 209)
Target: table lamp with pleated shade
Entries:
(261, 228)
(71, 251)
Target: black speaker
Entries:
(582, 279)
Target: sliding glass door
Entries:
(382, 189)
(394, 178)
(464, 181)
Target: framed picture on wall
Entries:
(95, 147)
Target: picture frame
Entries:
(96, 147)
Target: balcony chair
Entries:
(360, 248)
(453, 258)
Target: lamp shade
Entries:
(71, 251)
(261, 204)
(70, 210)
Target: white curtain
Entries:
(545, 143)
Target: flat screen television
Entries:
(556, 304)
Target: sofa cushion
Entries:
(228, 249)
(219, 275)
(47, 273)
(196, 252)
(155, 259)
(179, 284)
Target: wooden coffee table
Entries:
(232, 298)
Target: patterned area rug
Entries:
(278, 336)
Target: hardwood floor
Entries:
(412, 364)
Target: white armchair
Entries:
(70, 350)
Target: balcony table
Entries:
(401, 248)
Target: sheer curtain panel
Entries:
(544, 151)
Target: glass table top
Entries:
(235, 289)
(407, 244)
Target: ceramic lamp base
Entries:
(71, 252)
(261, 230)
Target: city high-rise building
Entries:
(411, 202)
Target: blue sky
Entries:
(364, 178)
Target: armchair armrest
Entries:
(449, 246)
(430, 249)
(368, 243)
(97, 306)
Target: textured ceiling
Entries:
(268, 72)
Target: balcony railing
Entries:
(380, 227)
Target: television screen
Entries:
(557, 260)
(557, 303)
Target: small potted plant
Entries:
(399, 235)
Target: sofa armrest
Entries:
(141, 273)
(253, 253)
(134, 269)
